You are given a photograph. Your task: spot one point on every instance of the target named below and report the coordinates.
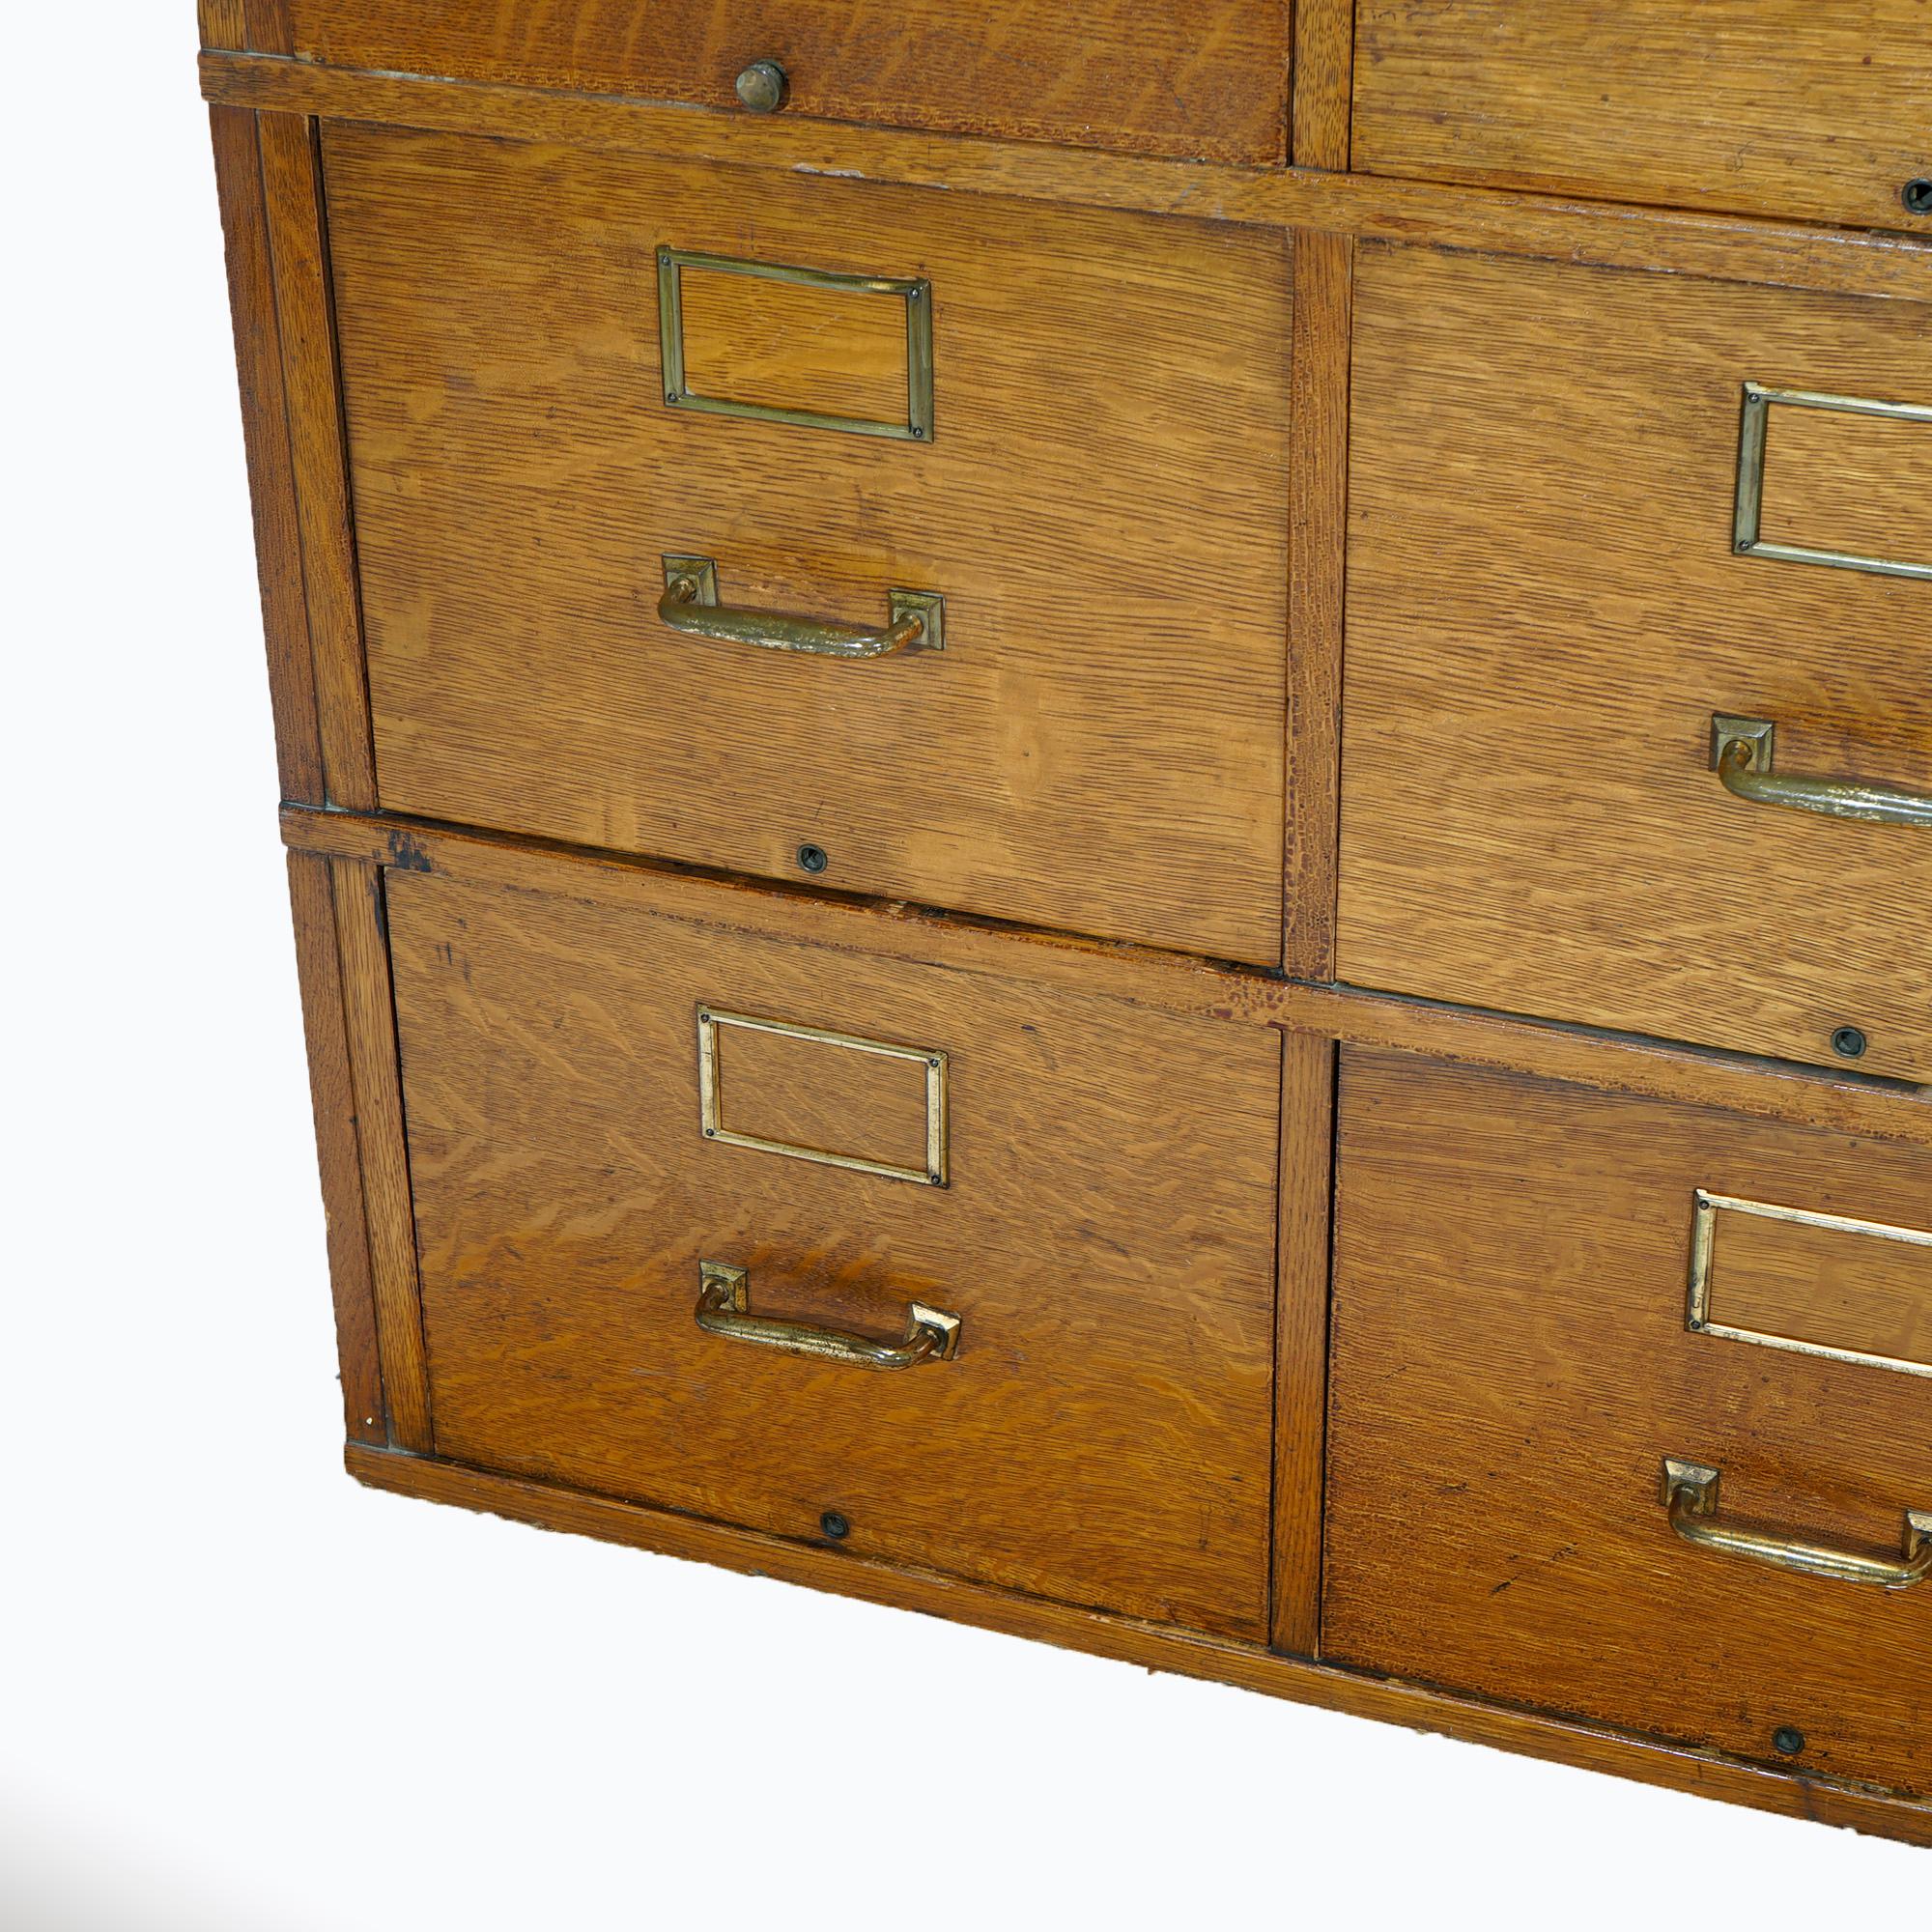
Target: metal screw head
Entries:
(1917, 196)
(762, 87)
(813, 858)
(1849, 1043)
(835, 1525)
(1787, 1740)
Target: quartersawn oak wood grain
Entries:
(1775, 106)
(223, 24)
(1834, 1287)
(1729, 247)
(1104, 507)
(265, 429)
(1301, 1338)
(311, 387)
(1511, 1366)
(1763, 1088)
(1194, 77)
(1317, 554)
(333, 1094)
(370, 1025)
(787, 345)
(1325, 54)
(1529, 820)
(1107, 1239)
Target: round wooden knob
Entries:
(762, 87)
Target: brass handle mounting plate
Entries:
(916, 619)
(1743, 753)
(724, 1308)
(1690, 1495)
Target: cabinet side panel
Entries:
(369, 1010)
(304, 312)
(332, 1091)
(264, 428)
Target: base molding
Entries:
(1299, 1680)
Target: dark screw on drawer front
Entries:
(1849, 1043)
(835, 1525)
(1787, 1740)
(1917, 196)
(762, 86)
(813, 858)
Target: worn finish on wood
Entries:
(1318, 540)
(1133, 733)
(370, 1015)
(1301, 1338)
(316, 444)
(268, 26)
(1151, 1646)
(1723, 246)
(331, 1087)
(1192, 77)
(1106, 1238)
(223, 24)
(1104, 508)
(1529, 820)
(1762, 1089)
(1510, 1367)
(1775, 106)
(265, 429)
(1325, 57)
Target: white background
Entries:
(238, 1691)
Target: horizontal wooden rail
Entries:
(1775, 1090)
(1155, 1647)
(1730, 249)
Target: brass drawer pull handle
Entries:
(1741, 754)
(1691, 1495)
(917, 619)
(724, 1308)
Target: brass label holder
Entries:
(914, 292)
(934, 1064)
(1703, 1260)
(1748, 521)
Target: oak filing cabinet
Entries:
(1120, 819)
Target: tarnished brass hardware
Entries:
(931, 1061)
(1742, 755)
(762, 87)
(914, 292)
(724, 1308)
(1747, 517)
(1690, 1495)
(916, 619)
(1698, 1315)
(1917, 196)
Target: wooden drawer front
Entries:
(1771, 106)
(1102, 505)
(1512, 1366)
(1195, 78)
(1546, 611)
(1105, 1237)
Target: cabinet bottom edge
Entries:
(1155, 1647)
